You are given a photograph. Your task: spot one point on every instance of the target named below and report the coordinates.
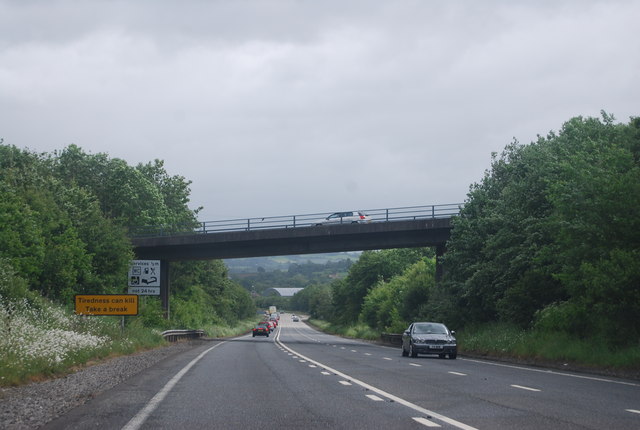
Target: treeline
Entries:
(549, 239)
(383, 289)
(298, 275)
(63, 231)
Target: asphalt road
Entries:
(299, 378)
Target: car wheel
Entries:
(453, 356)
(441, 355)
(412, 352)
(404, 352)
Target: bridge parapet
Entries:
(295, 241)
(294, 221)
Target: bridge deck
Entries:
(293, 241)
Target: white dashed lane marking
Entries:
(348, 380)
(524, 388)
(426, 422)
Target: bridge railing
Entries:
(295, 221)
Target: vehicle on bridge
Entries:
(429, 338)
(349, 217)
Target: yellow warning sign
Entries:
(106, 304)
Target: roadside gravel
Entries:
(33, 405)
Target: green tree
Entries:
(315, 300)
(542, 225)
(371, 268)
(392, 305)
(21, 237)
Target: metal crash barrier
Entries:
(176, 335)
(391, 339)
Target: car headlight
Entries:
(419, 341)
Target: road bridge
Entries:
(294, 241)
(408, 227)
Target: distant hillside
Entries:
(282, 263)
(296, 271)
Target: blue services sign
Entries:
(144, 277)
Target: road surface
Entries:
(299, 378)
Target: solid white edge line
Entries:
(389, 396)
(633, 411)
(426, 422)
(142, 415)
(552, 372)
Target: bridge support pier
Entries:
(440, 250)
(165, 287)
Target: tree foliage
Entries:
(552, 233)
(63, 231)
(316, 300)
(548, 239)
(372, 267)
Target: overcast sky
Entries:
(305, 106)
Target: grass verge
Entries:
(45, 340)
(40, 340)
(504, 341)
(355, 331)
(239, 328)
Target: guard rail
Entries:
(391, 339)
(175, 335)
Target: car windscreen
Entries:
(429, 329)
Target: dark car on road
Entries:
(261, 330)
(429, 338)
